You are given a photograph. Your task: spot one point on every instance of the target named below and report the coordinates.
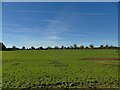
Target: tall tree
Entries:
(62, 47)
(2, 46)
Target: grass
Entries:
(59, 69)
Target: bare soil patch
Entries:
(101, 58)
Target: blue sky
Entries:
(56, 24)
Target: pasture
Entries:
(60, 69)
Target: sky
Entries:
(59, 23)
(60, 0)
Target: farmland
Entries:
(60, 69)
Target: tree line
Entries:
(74, 46)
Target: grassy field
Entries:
(60, 69)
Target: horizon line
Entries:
(78, 45)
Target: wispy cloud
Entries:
(46, 20)
(10, 25)
(53, 21)
(18, 29)
(54, 12)
(14, 35)
(52, 38)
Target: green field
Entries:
(60, 69)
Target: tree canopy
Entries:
(74, 46)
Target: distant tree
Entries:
(67, 47)
(2, 46)
(33, 48)
(91, 46)
(9, 49)
(41, 48)
(106, 46)
(81, 47)
(27, 48)
(75, 46)
(86, 47)
(71, 47)
(111, 47)
(62, 47)
(23, 48)
(56, 47)
(49, 47)
(101, 46)
(14, 48)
